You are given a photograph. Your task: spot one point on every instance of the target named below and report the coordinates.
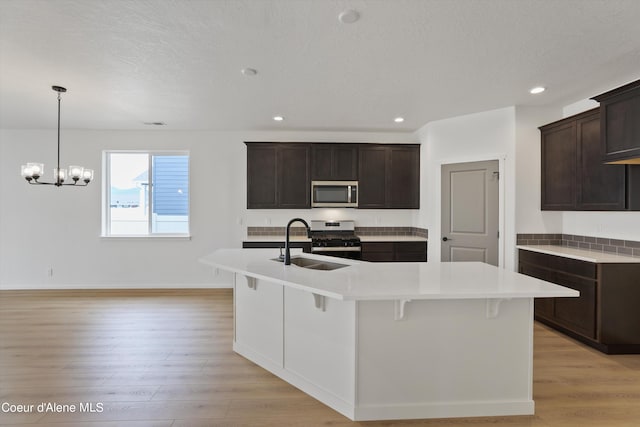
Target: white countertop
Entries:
(580, 254)
(387, 281)
(392, 239)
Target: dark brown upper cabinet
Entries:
(558, 160)
(262, 176)
(573, 175)
(620, 114)
(404, 177)
(278, 176)
(389, 176)
(372, 177)
(331, 162)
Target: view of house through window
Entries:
(147, 193)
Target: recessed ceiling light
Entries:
(537, 89)
(349, 16)
(249, 71)
(278, 118)
(399, 119)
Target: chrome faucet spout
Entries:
(287, 251)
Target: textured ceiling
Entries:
(126, 62)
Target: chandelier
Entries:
(33, 171)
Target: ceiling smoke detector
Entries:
(349, 16)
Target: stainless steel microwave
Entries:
(334, 194)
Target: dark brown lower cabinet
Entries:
(605, 315)
(394, 251)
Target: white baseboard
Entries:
(60, 286)
(444, 410)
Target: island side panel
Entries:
(446, 358)
(258, 334)
(319, 347)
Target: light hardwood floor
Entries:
(164, 358)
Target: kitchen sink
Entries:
(314, 264)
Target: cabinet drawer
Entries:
(553, 262)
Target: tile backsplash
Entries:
(601, 244)
(362, 231)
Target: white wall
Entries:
(44, 226)
(529, 217)
(481, 136)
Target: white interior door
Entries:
(470, 209)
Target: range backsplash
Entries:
(616, 246)
(361, 231)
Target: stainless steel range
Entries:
(335, 238)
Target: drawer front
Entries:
(553, 262)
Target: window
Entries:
(146, 193)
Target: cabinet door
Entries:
(621, 131)
(403, 184)
(261, 176)
(337, 162)
(543, 306)
(559, 152)
(577, 314)
(378, 251)
(372, 172)
(345, 162)
(410, 251)
(321, 160)
(294, 183)
(600, 186)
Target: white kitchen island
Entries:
(379, 341)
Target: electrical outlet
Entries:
(50, 272)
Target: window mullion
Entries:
(107, 207)
(150, 195)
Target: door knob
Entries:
(444, 239)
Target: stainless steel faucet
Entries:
(287, 252)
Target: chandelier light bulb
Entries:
(37, 169)
(59, 174)
(75, 172)
(87, 175)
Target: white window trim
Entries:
(106, 195)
